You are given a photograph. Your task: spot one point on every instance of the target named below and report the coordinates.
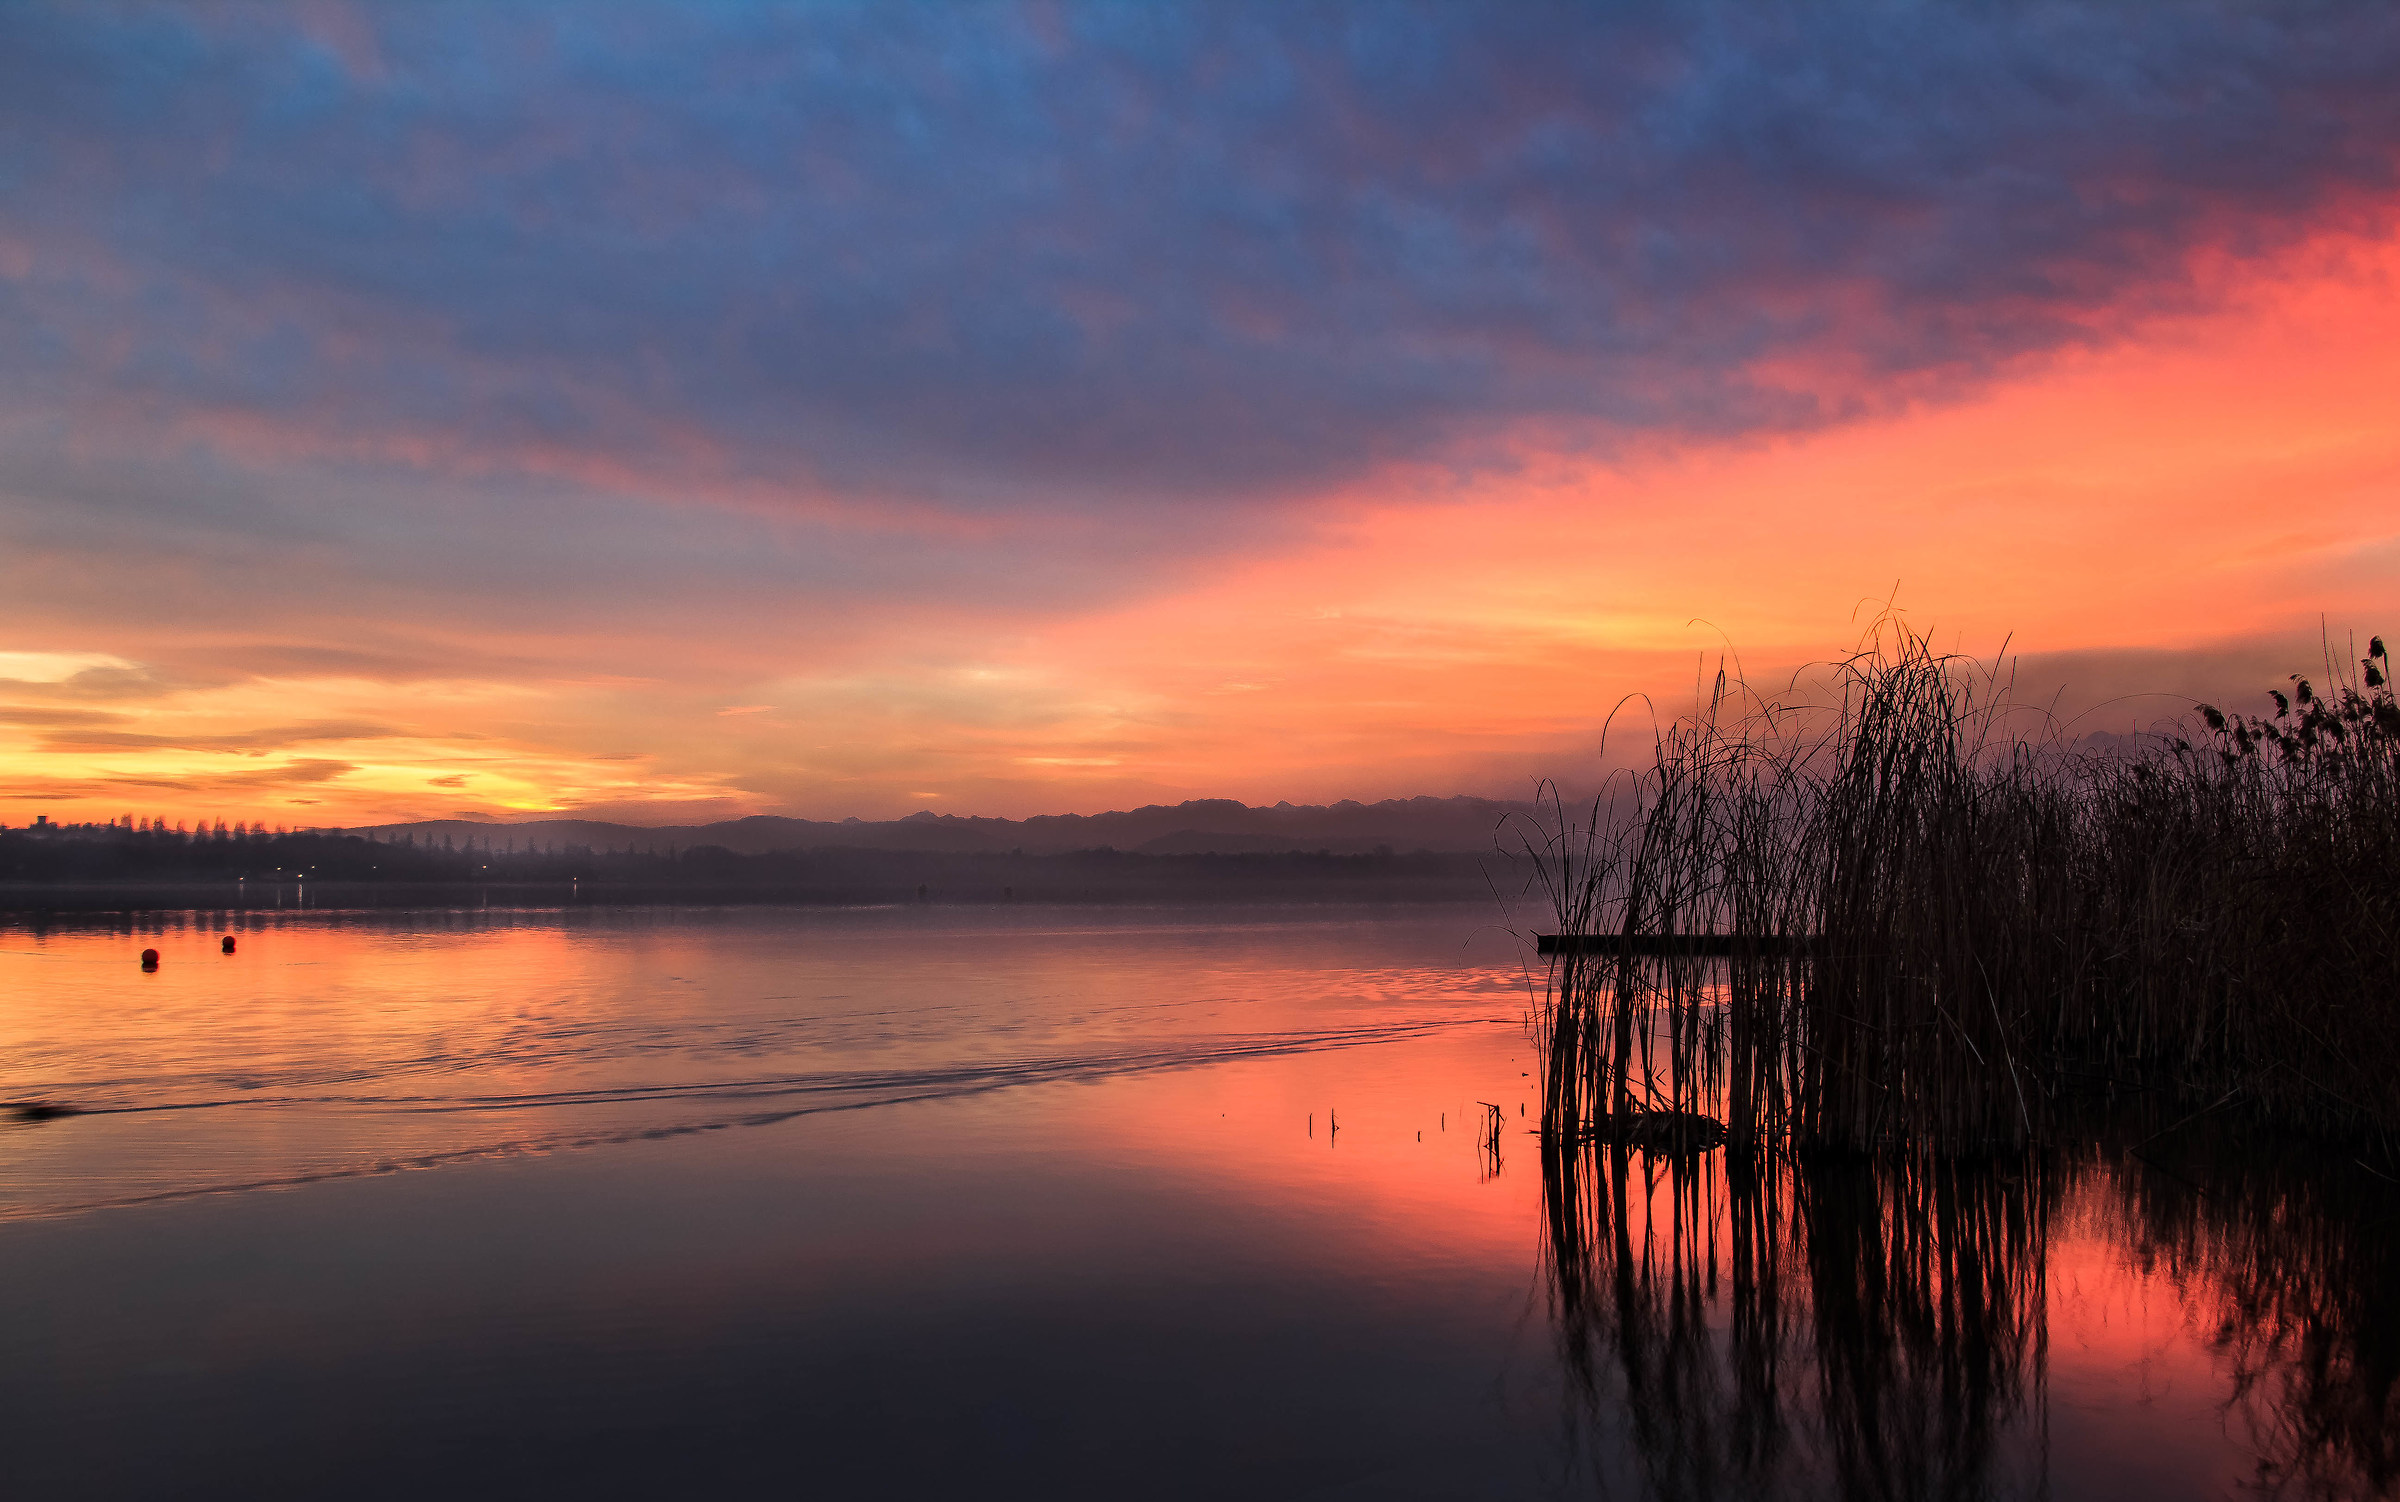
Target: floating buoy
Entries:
(226, 946)
(149, 959)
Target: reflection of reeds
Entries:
(1925, 1280)
(2292, 1264)
(1939, 923)
(1775, 1325)
(1841, 1328)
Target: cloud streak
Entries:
(269, 738)
(980, 254)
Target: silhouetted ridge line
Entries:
(1200, 826)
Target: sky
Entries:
(674, 412)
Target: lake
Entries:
(1026, 1201)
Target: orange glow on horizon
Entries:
(2224, 479)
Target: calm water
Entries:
(1050, 1202)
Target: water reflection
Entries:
(336, 1046)
(2291, 1256)
(1743, 1327)
(1094, 1222)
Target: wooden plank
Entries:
(1673, 944)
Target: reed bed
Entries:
(1943, 918)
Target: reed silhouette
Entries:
(1929, 918)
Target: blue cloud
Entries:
(1122, 252)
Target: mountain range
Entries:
(1201, 826)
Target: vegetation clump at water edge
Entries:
(1935, 920)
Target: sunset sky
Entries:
(669, 412)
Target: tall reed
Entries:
(1943, 917)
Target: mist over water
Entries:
(1052, 1201)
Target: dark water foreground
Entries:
(1055, 1203)
(1844, 1328)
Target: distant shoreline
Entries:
(1120, 880)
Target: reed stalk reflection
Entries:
(1735, 1324)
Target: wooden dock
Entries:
(1664, 945)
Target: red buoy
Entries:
(227, 946)
(149, 959)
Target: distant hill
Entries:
(1202, 826)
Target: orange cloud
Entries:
(2220, 480)
(2213, 484)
